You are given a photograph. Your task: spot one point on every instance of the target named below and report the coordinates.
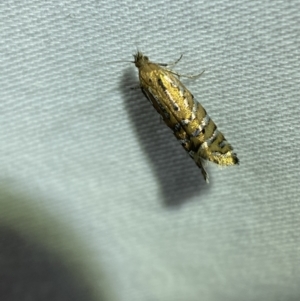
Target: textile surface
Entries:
(97, 199)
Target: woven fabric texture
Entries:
(97, 199)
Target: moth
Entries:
(186, 117)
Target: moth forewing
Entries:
(188, 120)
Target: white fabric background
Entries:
(98, 200)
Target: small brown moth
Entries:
(187, 118)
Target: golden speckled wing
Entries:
(187, 118)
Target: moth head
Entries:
(140, 59)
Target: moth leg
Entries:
(191, 76)
(200, 164)
(172, 63)
(169, 65)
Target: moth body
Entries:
(186, 117)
